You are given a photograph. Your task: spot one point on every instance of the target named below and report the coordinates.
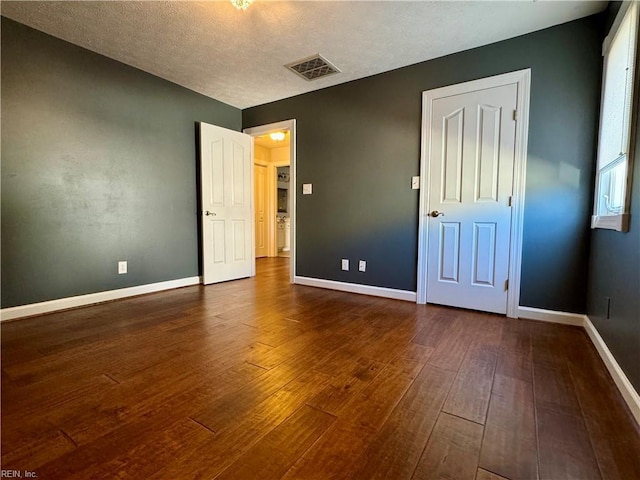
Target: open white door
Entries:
(227, 216)
(474, 154)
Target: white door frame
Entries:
(523, 79)
(291, 126)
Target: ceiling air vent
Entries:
(312, 68)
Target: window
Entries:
(611, 206)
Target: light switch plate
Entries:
(345, 264)
(415, 183)
(307, 189)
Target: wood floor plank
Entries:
(102, 411)
(469, 396)
(103, 450)
(489, 335)
(434, 327)
(334, 455)
(613, 433)
(550, 342)
(484, 475)
(272, 456)
(452, 349)
(515, 365)
(345, 385)
(395, 451)
(233, 439)
(230, 409)
(377, 401)
(297, 346)
(509, 447)
(41, 450)
(565, 449)
(17, 402)
(554, 390)
(452, 451)
(516, 337)
(140, 349)
(140, 460)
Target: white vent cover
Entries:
(312, 68)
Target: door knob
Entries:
(436, 213)
(207, 213)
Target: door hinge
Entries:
(510, 201)
(515, 115)
(506, 285)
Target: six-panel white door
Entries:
(471, 160)
(227, 216)
(260, 200)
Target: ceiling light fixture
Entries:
(277, 136)
(241, 4)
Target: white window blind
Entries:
(610, 206)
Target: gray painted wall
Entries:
(359, 144)
(615, 273)
(98, 165)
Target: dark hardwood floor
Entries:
(258, 379)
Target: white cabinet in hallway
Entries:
(287, 235)
(284, 234)
(281, 234)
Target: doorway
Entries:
(474, 143)
(274, 170)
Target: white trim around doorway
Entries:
(291, 126)
(523, 80)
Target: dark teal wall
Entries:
(615, 274)
(98, 165)
(359, 144)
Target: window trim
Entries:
(619, 222)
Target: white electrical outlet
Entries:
(307, 188)
(122, 267)
(415, 183)
(345, 264)
(362, 266)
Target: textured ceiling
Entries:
(237, 57)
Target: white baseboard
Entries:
(552, 316)
(627, 391)
(81, 300)
(356, 288)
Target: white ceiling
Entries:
(237, 57)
